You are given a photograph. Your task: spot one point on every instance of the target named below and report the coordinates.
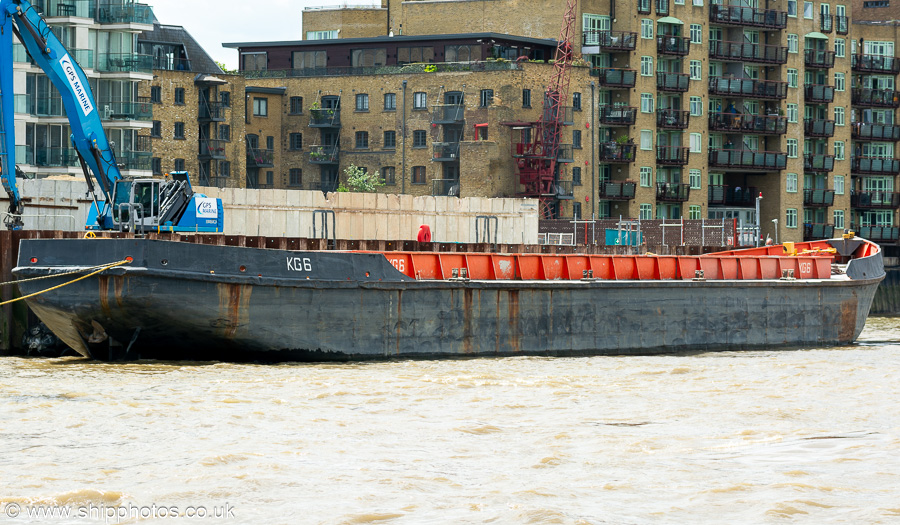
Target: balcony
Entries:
(813, 127)
(673, 45)
(662, 7)
(874, 166)
(818, 198)
(747, 160)
(819, 94)
(875, 64)
(672, 155)
(448, 114)
(874, 199)
(747, 52)
(879, 132)
(168, 63)
(876, 98)
(65, 8)
(672, 118)
(564, 189)
(616, 78)
(134, 160)
(747, 123)
(616, 152)
(211, 111)
(56, 157)
(879, 233)
(747, 16)
(818, 162)
(617, 115)
(327, 154)
(260, 158)
(643, 7)
(566, 153)
(672, 192)
(127, 13)
(677, 82)
(39, 107)
(446, 152)
(748, 88)
(124, 63)
(817, 58)
(445, 187)
(325, 118)
(212, 149)
(826, 22)
(566, 115)
(617, 191)
(614, 41)
(140, 109)
(731, 196)
(816, 232)
(842, 24)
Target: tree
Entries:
(358, 179)
(225, 69)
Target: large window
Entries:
(322, 35)
(254, 62)
(462, 53)
(309, 59)
(260, 107)
(408, 55)
(368, 57)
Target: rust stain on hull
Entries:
(103, 292)
(513, 312)
(849, 308)
(234, 308)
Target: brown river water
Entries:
(804, 436)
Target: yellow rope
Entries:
(52, 275)
(103, 269)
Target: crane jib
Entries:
(72, 77)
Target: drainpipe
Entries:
(593, 145)
(612, 12)
(403, 130)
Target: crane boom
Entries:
(558, 90)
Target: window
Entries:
(576, 176)
(372, 57)
(576, 210)
(696, 69)
(487, 97)
(270, 143)
(792, 112)
(696, 106)
(420, 138)
(807, 11)
(362, 139)
(179, 130)
(646, 176)
(225, 98)
(179, 96)
(840, 47)
(576, 101)
(839, 184)
(839, 83)
(179, 164)
(696, 141)
(156, 130)
(420, 100)
(254, 61)
(156, 94)
(790, 217)
(646, 103)
(224, 168)
(694, 213)
(790, 183)
(792, 77)
(417, 54)
(322, 35)
(295, 177)
(462, 53)
(390, 139)
(696, 34)
(838, 154)
(646, 139)
(296, 141)
(576, 138)
(793, 44)
(695, 176)
(646, 28)
(156, 165)
(362, 102)
(838, 116)
(792, 8)
(792, 148)
(260, 107)
(646, 212)
(526, 98)
(839, 219)
(224, 132)
(418, 175)
(309, 59)
(698, 3)
(390, 102)
(389, 175)
(679, 2)
(646, 66)
(296, 105)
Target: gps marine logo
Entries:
(207, 207)
(84, 101)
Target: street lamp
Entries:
(775, 221)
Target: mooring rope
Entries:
(99, 269)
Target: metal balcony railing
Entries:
(672, 192)
(564, 189)
(566, 114)
(880, 98)
(39, 107)
(324, 154)
(842, 24)
(826, 22)
(448, 114)
(747, 123)
(747, 52)
(819, 93)
(747, 16)
(617, 191)
(747, 159)
(732, 196)
(212, 149)
(677, 82)
(260, 158)
(211, 110)
(874, 166)
(134, 160)
(616, 152)
(325, 118)
(139, 109)
(748, 88)
(880, 132)
(566, 153)
(56, 157)
(878, 233)
(125, 13)
(65, 8)
(874, 199)
(815, 232)
(617, 115)
(813, 127)
(818, 162)
(673, 45)
(875, 64)
(818, 198)
(446, 151)
(817, 58)
(611, 40)
(124, 63)
(168, 63)
(445, 187)
(672, 155)
(672, 118)
(616, 78)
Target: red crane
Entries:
(538, 151)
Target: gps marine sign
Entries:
(84, 101)
(207, 208)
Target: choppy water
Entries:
(756, 437)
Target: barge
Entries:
(179, 300)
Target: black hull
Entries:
(191, 301)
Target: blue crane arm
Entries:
(48, 53)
